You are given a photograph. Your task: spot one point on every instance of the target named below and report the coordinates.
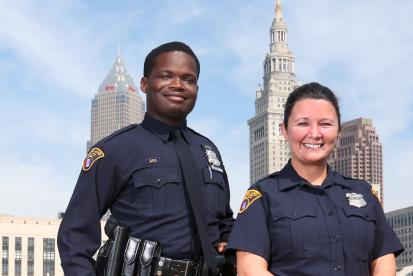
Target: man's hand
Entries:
(220, 247)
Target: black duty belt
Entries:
(170, 267)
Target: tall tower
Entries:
(269, 152)
(116, 105)
(359, 154)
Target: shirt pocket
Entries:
(158, 192)
(294, 233)
(214, 192)
(361, 236)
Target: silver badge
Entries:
(213, 160)
(356, 200)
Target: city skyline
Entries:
(53, 60)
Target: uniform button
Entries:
(330, 213)
(158, 180)
(337, 268)
(294, 214)
(336, 237)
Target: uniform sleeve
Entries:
(227, 221)
(79, 234)
(250, 231)
(386, 240)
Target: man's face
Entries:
(171, 88)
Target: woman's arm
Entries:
(249, 264)
(384, 266)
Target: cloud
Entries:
(30, 189)
(52, 45)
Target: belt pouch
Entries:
(150, 252)
(110, 260)
(131, 262)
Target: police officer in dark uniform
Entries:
(307, 219)
(135, 173)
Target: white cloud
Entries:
(30, 189)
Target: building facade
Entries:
(28, 247)
(402, 222)
(359, 153)
(116, 105)
(269, 152)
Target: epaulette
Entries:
(117, 132)
(197, 133)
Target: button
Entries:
(337, 237)
(158, 180)
(330, 213)
(294, 214)
(337, 268)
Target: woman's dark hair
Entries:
(312, 90)
(164, 48)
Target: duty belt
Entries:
(170, 267)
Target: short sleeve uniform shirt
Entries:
(337, 228)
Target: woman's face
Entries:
(312, 131)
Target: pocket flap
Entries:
(364, 213)
(292, 213)
(211, 176)
(156, 177)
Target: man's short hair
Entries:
(164, 48)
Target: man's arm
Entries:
(79, 233)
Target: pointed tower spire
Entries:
(278, 11)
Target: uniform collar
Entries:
(161, 129)
(289, 178)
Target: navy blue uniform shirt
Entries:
(135, 173)
(337, 228)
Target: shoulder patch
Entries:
(93, 155)
(376, 194)
(249, 198)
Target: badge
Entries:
(93, 155)
(212, 158)
(249, 198)
(356, 200)
(152, 160)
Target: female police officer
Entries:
(307, 219)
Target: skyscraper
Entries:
(402, 222)
(116, 105)
(269, 152)
(359, 153)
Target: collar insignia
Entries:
(356, 200)
(249, 198)
(212, 158)
(93, 155)
(152, 160)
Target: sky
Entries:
(54, 55)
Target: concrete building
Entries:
(359, 153)
(402, 222)
(269, 152)
(116, 105)
(29, 246)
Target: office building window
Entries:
(18, 256)
(30, 256)
(5, 256)
(48, 257)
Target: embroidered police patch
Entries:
(93, 155)
(249, 198)
(376, 194)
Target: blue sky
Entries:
(54, 55)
